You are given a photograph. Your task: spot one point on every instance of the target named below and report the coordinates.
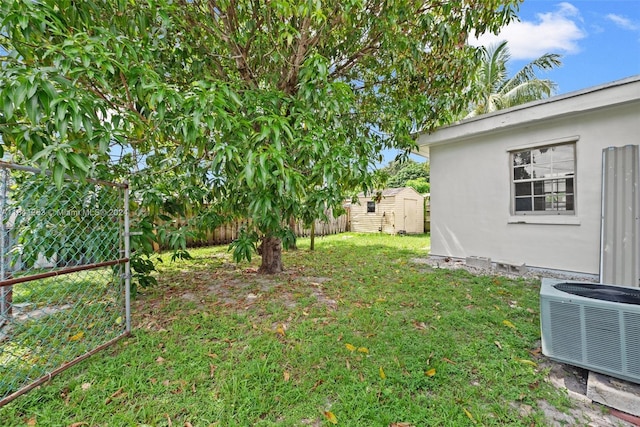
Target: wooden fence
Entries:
(227, 233)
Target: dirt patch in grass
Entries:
(238, 289)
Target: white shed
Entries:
(399, 210)
(550, 184)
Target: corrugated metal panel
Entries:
(620, 243)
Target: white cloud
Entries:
(551, 32)
(622, 22)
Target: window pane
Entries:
(539, 204)
(569, 184)
(541, 171)
(549, 187)
(521, 158)
(521, 172)
(570, 203)
(523, 189)
(561, 202)
(523, 204)
(563, 153)
(541, 156)
(371, 207)
(538, 188)
(563, 168)
(560, 186)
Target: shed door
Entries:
(410, 215)
(620, 243)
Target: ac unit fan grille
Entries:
(602, 332)
(632, 353)
(565, 330)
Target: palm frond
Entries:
(528, 91)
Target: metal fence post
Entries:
(127, 255)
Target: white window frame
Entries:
(547, 188)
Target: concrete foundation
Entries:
(478, 262)
(614, 393)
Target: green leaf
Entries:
(8, 109)
(80, 161)
(62, 158)
(32, 109)
(58, 175)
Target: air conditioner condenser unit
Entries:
(593, 326)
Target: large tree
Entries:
(495, 90)
(264, 110)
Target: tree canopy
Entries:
(233, 108)
(398, 174)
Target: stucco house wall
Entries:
(472, 210)
(399, 209)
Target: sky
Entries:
(599, 42)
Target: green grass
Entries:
(216, 344)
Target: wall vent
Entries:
(596, 327)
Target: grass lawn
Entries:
(355, 334)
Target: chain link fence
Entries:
(64, 279)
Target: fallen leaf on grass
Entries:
(527, 362)
(421, 326)
(160, 360)
(536, 352)
(85, 386)
(286, 376)
(31, 422)
(115, 395)
(82, 423)
(508, 324)
(448, 361)
(169, 420)
(363, 350)
(331, 417)
(77, 337)
(350, 347)
(212, 370)
(431, 372)
(382, 374)
(468, 414)
(497, 343)
(281, 330)
(401, 425)
(317, 384)
(187, 424)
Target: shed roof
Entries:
(388, 192)
(579, 102)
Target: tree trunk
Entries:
(271, 255)
(313, 236)
(292, 226)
